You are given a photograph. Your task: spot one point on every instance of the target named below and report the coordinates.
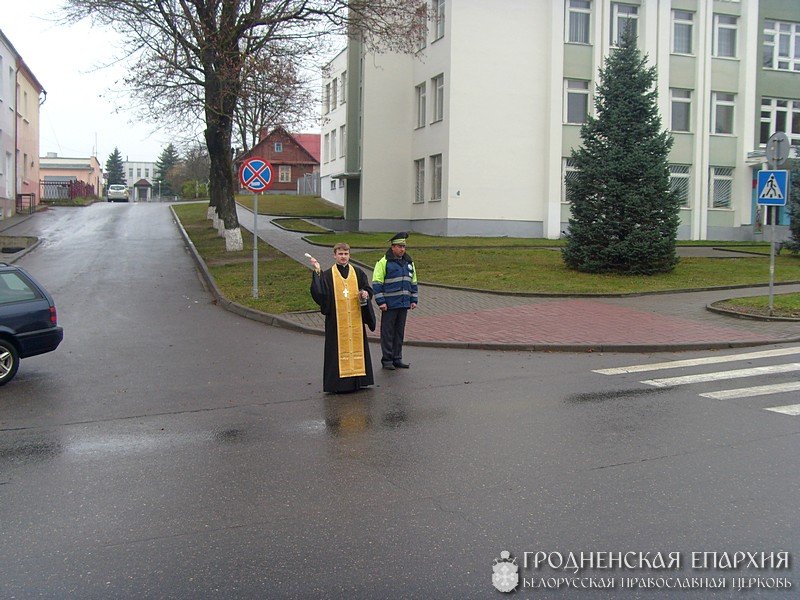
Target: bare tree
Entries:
(189, 58)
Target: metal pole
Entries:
(772, 165)
(255, 245)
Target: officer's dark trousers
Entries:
(393, 327)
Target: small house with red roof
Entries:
(292, 156)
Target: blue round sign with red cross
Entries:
(256, 174)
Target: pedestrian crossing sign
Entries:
(773, 187)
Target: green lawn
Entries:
(537, 271)
(291, 206)
(299, 225)
(784, 305)
(282, 282)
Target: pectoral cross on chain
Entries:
(346, 293)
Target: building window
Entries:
(326, 148)
(342, 138)
(682, 31)
(681, 113)
(333, 184)
(782, 46)
(436, 177)
(421, 24)
(722, 112)
(576, 101)
(138, 173)
(725, 36)
(623, 16)
(438, 18)
(721, 183)
(147, 173)
(334, 93)
(343, 92)
(285, 174)
(419, 94)
(341, 183)
(679, 182)
(578, 21)
(278, 146)
(327, 100)
(437, 83)
(130, 173)
(333, 145)
(419, 181)
(569, 172)
(780, 115)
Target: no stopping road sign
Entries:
(256, 175)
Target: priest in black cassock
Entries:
(343, 293)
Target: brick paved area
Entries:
(460, 317)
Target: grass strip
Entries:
(282, 282)
(543, 271)
(286, 205)
(784, 305)
(298, 225)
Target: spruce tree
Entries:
(793, 206)
(168, 159)
(624, 217)
(114, 168)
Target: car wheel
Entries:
(9, 361)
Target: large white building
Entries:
(471, 136)
(333, 172)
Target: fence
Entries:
(66, 190)
(26, 203)
(308, 185)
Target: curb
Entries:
(741, 315)
(284, 323)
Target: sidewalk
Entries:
(467, 319)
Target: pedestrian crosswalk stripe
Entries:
(692, 362)
(791, 409)
(718, 375)
(760, 390)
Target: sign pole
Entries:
(777, 151)
(255, 245)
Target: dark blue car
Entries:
(28, 320)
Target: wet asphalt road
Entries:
(170, 449)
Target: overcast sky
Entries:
(76, 120)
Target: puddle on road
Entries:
(30, 451)
(615, 394)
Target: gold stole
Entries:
(349, 328)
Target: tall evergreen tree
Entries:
(114, 168)
(164, 165)
(624, 216)
(793, 206)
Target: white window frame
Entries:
(676, 98)
(680, 179)
(421, 19)
(343, 92)
(342, 141)
(326, 104)
(334, 93)
(333, 144)
(438, 19)
(568, 170)
(629, 13)
(788, 58)
(719, 179)
(682, 19)
(421, 100)
(719, 27)
(780, 114)
(436, 177)
(722, 101)
(284, 173)
(577, 88)
(437, 85)
(419, 181)
(278, 147)
(581, 12)
(326, 148)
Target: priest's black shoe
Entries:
(401, 365)
(388, 366)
